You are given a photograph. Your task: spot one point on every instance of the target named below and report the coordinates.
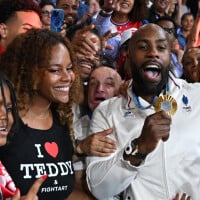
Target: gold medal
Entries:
(166, 103)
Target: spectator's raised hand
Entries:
(106, 36)
(97, 144)
(63, 29)
(82, 44)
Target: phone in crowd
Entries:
(57, 19)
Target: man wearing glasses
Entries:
(46, 7)
(169, 26)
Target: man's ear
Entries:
(3, 30)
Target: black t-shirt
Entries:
(33, 153)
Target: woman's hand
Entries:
(32, 193)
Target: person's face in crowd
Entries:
(125, 6)
(171, 8)
(103, 84)
(187, 23)
(169, 28)
(191, 65)
(19, 24)
(94, 5)
(58, 77)
(70, 8)
(86, 65)
(161, 5)
(6, 117)
(46, 16)
(149, 59)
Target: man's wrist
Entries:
(133, 154)
(133, 160)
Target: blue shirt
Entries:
(181, 38)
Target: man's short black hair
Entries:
(170, 19)
(8, 8)
(107, 61)
(46, 2)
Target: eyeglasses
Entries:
(46, 13)
(169, 30)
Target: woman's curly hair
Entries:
(24, 63)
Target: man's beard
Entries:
(71, 23)
(140, 85)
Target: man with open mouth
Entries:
(155, 127)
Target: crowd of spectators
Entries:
(62, 139)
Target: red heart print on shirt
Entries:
(51, 148)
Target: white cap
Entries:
(127, 34)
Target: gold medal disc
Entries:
(166, 103)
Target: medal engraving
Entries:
(166, 103)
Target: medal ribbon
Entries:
(140, 106)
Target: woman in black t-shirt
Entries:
(47, 83)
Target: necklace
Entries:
(43, 116)
(140, 106)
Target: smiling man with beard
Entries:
(149, 75)
(70, 8)
(158, 149)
